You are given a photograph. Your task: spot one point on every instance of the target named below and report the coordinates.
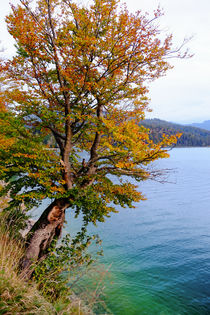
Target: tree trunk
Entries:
(44, 231)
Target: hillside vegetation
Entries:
(20, 297)
(191, 136)
(16, 296)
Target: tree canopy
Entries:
(81, 74)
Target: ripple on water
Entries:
(160, 252)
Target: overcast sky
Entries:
(183, 95)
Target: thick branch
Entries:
(58, 140)
(96, 142)
(57, 133)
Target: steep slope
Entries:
(191, 136)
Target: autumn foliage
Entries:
(81, 74)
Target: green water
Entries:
(160, 252)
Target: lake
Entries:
(160, 251)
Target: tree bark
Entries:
(44, 231)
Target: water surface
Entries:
(160, 251)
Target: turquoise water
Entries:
(160, 251)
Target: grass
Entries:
(16, 296)
(20, 297)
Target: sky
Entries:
(183, 95)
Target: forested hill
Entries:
(204, 125)
(191, 136)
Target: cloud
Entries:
(183, 95)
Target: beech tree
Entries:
(81, 74)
